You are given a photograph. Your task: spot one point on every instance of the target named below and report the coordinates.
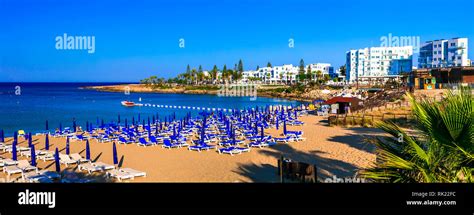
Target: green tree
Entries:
(240, 66)
(269, 64)
(301, 72)
(342, 70)
(440, 149)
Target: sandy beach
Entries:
(336, 151)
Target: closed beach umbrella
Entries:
(115, 154)
(30, 140)
(56, 161)
(277, 123)
(67, 145)
(139, 117)
(15, 136)
(133, 120)
(118, 119)
(60, 127)
(46, 142)
(126, 123)
(262, 132)
(284, 126)
(47, 126)
(14, 155)
(33, 155)
(87, 125)
(88, 150)
(2, 136)
(74, 125)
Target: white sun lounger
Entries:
(35, 176)
(7, 162)
(46, 157)
(22, 166)
(119, 174)
(134, 172)
(66, 160)
(78, 158)
(95, 167)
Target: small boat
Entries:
(128, 103)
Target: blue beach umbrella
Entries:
(33, 155)
(87, 125)
(284, 126)
(30, 140)
(262, 132)
(2, 136)
(126, 123)
(60, 127)
(46, 142)
(14, 155)
(277, 123)
(74, 125)
(133, 120)
(46, 126)
(115, 154)
(118, 119)
(88, 150)
(67, 145)
(174, 130)
(15, 136)
(56, 161)
(139, 117)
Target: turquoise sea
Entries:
(29, 106)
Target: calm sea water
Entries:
(62, 102)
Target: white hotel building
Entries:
(378, 62)
(286, 74)
(444, 53)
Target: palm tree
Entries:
(441, 148)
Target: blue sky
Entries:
(136, 39)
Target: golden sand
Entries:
(335, 151)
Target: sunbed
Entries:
(119, 174)
(200, 147)
(66, 160)
(233, 150)
(22, 166)
(143, 142)
(168, 144)
(78, 158)
(124, 141)
(7, 162)
(134, 172)
(94, 167)
(34, 176)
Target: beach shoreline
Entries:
(142, 88)
(336, 152)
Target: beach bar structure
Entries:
(343, 105)
(439, 78)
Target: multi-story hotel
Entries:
(286, 74)
(378, 62)
(444, 53)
